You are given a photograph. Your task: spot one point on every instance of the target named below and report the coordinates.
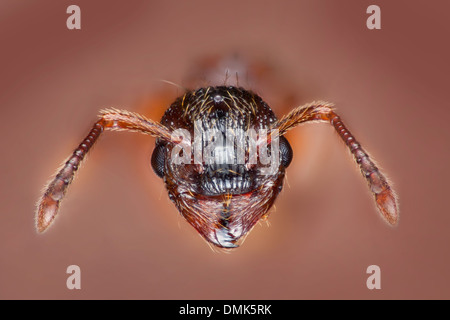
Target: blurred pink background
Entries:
(390, 86)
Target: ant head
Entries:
(228, 169)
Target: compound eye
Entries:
(286, 152)
(159, 159)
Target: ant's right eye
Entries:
(286, 152)
(158, 159)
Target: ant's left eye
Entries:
(158, 159)
(286, 152)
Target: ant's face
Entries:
(228, 175)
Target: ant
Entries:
(221, 188)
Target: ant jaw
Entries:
(223, 238)
(228, 236)
(224, 221)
